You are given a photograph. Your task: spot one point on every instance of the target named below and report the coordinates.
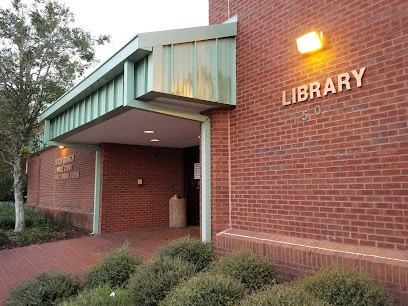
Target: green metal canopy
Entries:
(187, 69)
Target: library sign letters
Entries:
(64, 168)
(317, 90)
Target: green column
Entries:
(97, 192)
(206, 180)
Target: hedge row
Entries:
(184, 273)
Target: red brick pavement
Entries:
(76, 255)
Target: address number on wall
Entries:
(317, 110)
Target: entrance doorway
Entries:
(192, 185)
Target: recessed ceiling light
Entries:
(148, 132)
(154, 140)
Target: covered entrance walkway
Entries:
(76, 255)
(138, 111)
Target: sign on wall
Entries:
(197, 174)
(316, 90)
(64, 167)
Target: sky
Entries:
(123, 19)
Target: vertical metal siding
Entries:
(204, 70)
(102, 101)
(226, 69)
(183, 70)
(205, 85)
(166, 70)
(140, 77)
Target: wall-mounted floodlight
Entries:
(61, 147)
(309, 42)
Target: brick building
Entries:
(311, 183)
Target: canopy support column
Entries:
(97, 192)
(206, 180)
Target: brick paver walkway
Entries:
(76, 255)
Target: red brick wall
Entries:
(125, 205)
(219, 172)
(299, 257)
(69, 200)
(338, 180)
(340, 176)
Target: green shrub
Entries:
(253, 270)
(39, 219)
(38, 225)
(345, 287)
(99, 296)
(114, 269)
(153, 280)
(189, 249)
(33, 218)
(6, 183)
(206, 289)
(6, 222)
(282, 295)
(3, 237)
(30, 236)
(48, 227)
(44, 289)
(6, 217)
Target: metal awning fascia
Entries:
(101, 76)
(134, 50)
(169, 37)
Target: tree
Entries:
(41, 55)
